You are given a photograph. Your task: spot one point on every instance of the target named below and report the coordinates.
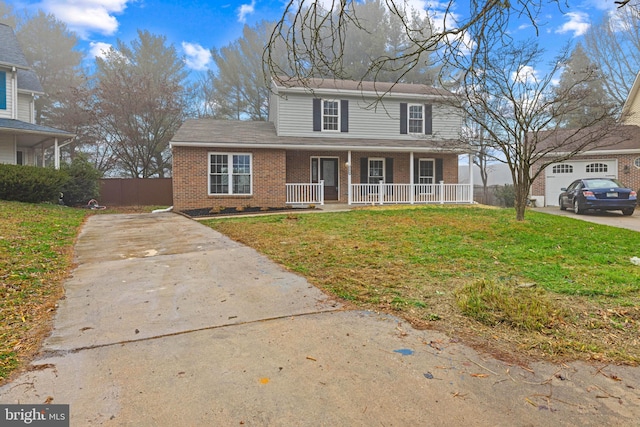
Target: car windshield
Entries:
(602, 183)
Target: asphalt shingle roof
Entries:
(10, 51)
(257, 134)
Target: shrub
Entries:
(83, 184)
(30, 184)
(506, 195)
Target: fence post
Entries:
(380, 192)
(321, 192)
(442, 192)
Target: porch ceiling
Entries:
(31, 135)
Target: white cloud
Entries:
(525, 74)
(98, 49)
(578, 24)
(246, 9)
(197, 57)
(87, 16)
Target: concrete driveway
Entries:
(166, 322)
(614, 218)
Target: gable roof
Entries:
(257, 134)
(619, 139)
(377, 89)
(11, 54)
(628, 103)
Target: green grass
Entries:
(424, 263)
(35, 255)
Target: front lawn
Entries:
(35, 255)
(550, 287)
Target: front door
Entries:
(329, 173)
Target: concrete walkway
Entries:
(166, 322)
(613, 218)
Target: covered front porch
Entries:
(23, 143)
(376, 187)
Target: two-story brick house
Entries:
(327, 140)
(21, 140)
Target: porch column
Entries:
(349, 195)
(471, 178)
(411, 187)
(56, 153)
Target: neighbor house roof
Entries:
(257, 134)
(618, 139)
(377, 89)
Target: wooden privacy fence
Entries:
(136, 192)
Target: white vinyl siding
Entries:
(7, 150)
(295, 118)
(25, 112)
(7, 112)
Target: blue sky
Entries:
(195, 26)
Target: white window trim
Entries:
(636, 162)
(409, 119)
(229, 173)
(322, 115)
(433, 177)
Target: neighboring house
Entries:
(620, 161)
(327, 140)
(22, 142)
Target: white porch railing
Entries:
(384, 194)
(305, 194)
(381, 194)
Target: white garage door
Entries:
(559, 175)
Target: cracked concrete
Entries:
(166, 322)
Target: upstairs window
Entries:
(330, 115)
(416, 118)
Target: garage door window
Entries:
(563, 168)
(597, 168)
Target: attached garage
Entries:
(560, 175)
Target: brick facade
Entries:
(272, 169)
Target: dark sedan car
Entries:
(603, 194)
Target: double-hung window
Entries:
(416, 118)
(376, 171)
(330, 115)
(229, 173)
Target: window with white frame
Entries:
(426, 171)
(330, 115)
(416, 118)
(229, 173)
(597, 168)
(376, 171)
(562, 168)
(636, 162)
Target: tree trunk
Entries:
(521, 196)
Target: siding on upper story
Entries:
(294, 117)
(25, 110)
(633, 114)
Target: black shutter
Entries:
(428, 113)
(416, 171)
(438, 170)
(317, 114)
(403, 118)
(388, 170)
(344, 115)
(364, 170)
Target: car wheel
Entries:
(562, 207)
(628, 211)
(576, 207)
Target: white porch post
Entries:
(411, 187)
(471, 184)
(56, 153)
(349, 190)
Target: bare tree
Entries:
(315, 38)
(521, 112)
(140, 103)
